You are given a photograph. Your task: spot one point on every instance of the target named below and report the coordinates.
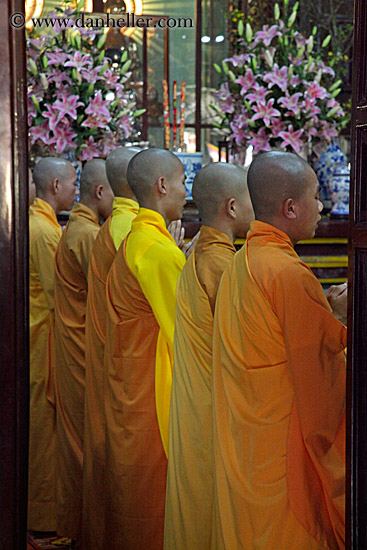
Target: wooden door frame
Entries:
(14, 347)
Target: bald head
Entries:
(215, 184)
(116, 169)
(274, 177)
(149, 165)
(45, 172)
(93, 174)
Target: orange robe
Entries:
(71, 288)
(140, 323)
(278, 403)
(44, 235)
(109, 237)
(189, 492)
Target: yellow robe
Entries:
(190, 478)
(71, 288)
(44, 235)
(141, 289)
(108, 240)
(278, 403)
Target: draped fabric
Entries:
(71, 288)
(44, 235)
(110, 235)
(278, 403)
(190, 477)
(141, 289)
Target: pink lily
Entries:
(292, 103)
(277, 77)
(334, 103)
(53, 116)
(327, 131)
(41, 131)
(260, 141)
(316, 91)
(238, 60)
(79, 61)
(239, 127)
(247, 81)
(267, 34)
(265, 111)
(57, 57)
(259, 94)
(292, 139)
(98, 109)
(90, 150)
(63, 137)
(277, 126)
(68, 106)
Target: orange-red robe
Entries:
(71, 289)
(44, 235)
(190, 478)
(139, 343)
(278, 403)
(110, 235)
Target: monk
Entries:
(141, 288)
(71, 289)
(56, 189)
(278, 379)
(109, 238)
(220, 193)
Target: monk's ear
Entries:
(99, 191)
(162, 185)
(55, 186)
(289, 209)
(231, 208)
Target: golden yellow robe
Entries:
(278, 403)
(44, 235)
(141, 289)
(189, 492)
(108, 240)
(71, 289)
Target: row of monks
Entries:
(183, 396)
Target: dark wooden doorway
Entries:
(14, 362)
(357, 320)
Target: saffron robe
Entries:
(44, 235)
(189, 492)
(108, 240)
(141, 289)
(278, 403)
(71, 288)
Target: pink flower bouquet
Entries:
(277, 91)
(76, 102)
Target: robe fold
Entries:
(44, 235)
(189, 492)
(71, 289)
(108, 240)
(141, 289)
(278, 403)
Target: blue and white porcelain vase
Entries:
(330, 158)
(339, 191)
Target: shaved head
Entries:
(116, 168)
(272, 178)
(149, 165)
(94, 173)
(215, 184)
(46, 170)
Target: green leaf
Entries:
(295, 7)
(139, 112)
(101, 56)
(291, 19)
(326, 41)
(333, 111)
(44, 61)
(104, 67)
(276, 12)
(90, 88)
(80, 6)
(35, 103)
(335, 85)
(314, 31)
(240, 28)
(336, 92)
(33, 67)
(216, 125)
(124, 56)
(225, 67)
(79, 119)
(101, 41)
(217, 68)
(232, 76)
(125, 66)
(249, 33)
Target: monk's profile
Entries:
(278, 383)
(220, 193)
